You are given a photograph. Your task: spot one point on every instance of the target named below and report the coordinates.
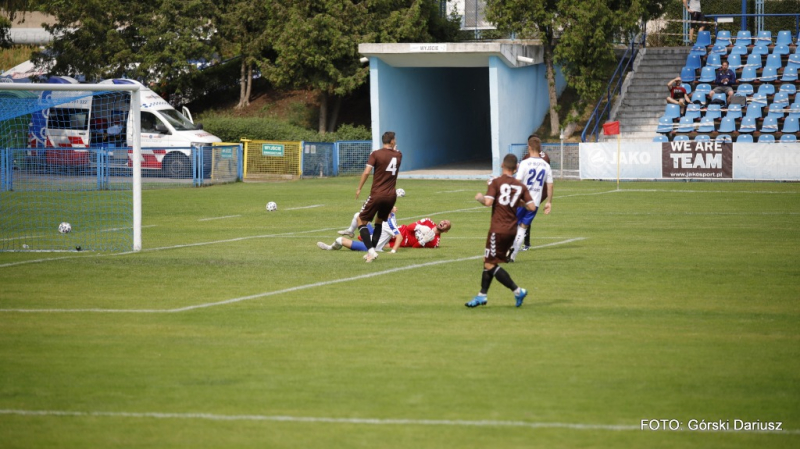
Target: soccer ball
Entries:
(401, 193)
(271, 206)
(64, 228)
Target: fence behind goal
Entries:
(564, 159)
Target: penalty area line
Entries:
(363, 421)
(275, 292)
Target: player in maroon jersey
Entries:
(504, 194)
(386, 165)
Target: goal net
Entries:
(64, 158)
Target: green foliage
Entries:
(231, 129)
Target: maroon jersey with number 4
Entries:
(386, 165)
(507, 193)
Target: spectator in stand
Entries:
(724, 81)
(677, 94)
(695, 16)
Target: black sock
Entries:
(376, 234)
(486, 280)
(528, 236)
(503, 277)
(363, 231)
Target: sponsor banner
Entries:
(272, 149)
(701, 160)
(637, 160)
(767, 161)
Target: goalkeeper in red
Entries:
(385, 165)
(504, 194)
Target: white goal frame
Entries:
(135, 110)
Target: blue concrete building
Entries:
(455, 103)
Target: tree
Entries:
(243, 27)
(576, 34)
(149, 40)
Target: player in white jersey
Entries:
(536, 174)
(388, 233)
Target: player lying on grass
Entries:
(420, 234)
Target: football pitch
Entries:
(664, 305)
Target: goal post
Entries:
(70, 153)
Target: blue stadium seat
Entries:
(735, 62)
(766, 138)
(724, 38)
(794, 60)
(743, 37)
(724, 138)
(687, 75)
(791, 125)
(686, 125)
(794, 110)
(703, 87)
(748, 125)
(754, 61)
(738, 50)
(706, 125)
(790, 89)
(719, 98)
(781, 98)
(665, 125)
(789, 74)
(660, 138)
(744, 89)
(698, 50)
(734, 111)
(766, 89)
(770, 125)
(759, 99)
(784, 38)
(672, 111)
(688, 87)
(760, 50)
(693, 61)
(781, 50)
(713, 60)
(753, 111)
(748, 75)
(769, 74)
(775, 112)
(719, 50)
(744, 138)
(699, 97)
(707, 75)
(702, 138)
(714, 112)
(788, 138)
(680, 137)
(773, 61)
(703, 38)
(693, 111)
(764, 37)
(727, 125)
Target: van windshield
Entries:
(177, 120)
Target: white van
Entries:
(167, 136)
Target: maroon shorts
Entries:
(380, 206)
(497, 246)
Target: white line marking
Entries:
(455, 191)
(219, 218)
(276, 292)
(305, 207)
(366, 421)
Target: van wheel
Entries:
(176, 165)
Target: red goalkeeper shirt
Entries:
(408, 232)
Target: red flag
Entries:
(611, 128)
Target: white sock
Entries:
(337, 244)
(354, 223)
(518, 241)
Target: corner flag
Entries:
(611, 128)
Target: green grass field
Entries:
(674, 301)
